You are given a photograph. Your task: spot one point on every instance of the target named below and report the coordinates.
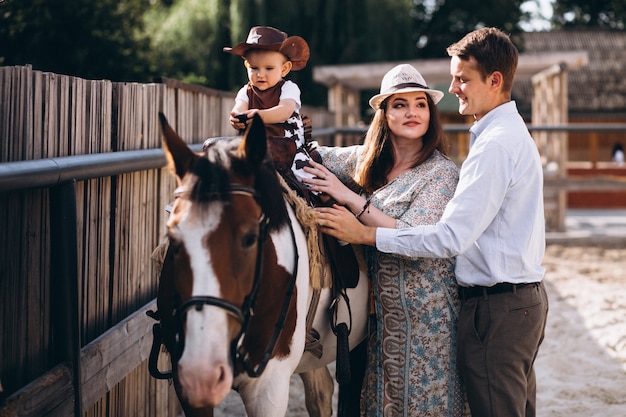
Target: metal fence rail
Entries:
(52, 171)
(43, 173)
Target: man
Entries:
(495, 227)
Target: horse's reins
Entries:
(246, 311)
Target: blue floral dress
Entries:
(411, 368)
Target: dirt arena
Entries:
(581, 368)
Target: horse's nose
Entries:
(205, 386)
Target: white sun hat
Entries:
(403, 78)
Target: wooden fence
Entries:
(120, 219)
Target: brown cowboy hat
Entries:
(265, 37)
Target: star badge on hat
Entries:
(254, 38)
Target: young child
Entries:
(269, 55)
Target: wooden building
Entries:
(596, 93)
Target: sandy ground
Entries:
(581, 367)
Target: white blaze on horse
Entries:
(234, 292)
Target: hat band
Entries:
(407, 85)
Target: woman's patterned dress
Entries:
(411, 368)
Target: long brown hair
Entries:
(377, 160)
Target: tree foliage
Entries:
(127, 40)
(609, 14)
(440, 23)
(184, 36)
(91, 39)
(347, 31)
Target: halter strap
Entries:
(240, 313)
(199, 300)
(240, 353)
(238, 189)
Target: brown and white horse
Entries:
(234, 291)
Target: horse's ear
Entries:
(255, 142)
(179, 157)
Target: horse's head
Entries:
(227, 200)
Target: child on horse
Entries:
(269, 55)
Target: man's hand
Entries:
(339, 222)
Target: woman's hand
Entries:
(339, 222)
(326, 182)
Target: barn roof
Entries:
(436, 72)
(595, 59)
(598, 87)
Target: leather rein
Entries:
(243, 313)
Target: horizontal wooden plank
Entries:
(51, 394)
(586, 183)
(109, 358)
(104, 363)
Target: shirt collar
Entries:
(504, 109)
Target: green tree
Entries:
(349, 31)
(609, 14)
(76, 37)
(440, 23)
(185, 38)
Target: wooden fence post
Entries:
(64, 288)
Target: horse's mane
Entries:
(215, 174)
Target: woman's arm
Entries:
(326, 182)
(426, 207)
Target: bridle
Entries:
(243, 313)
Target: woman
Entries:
(406, 180)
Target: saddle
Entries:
(344, 266)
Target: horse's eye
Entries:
(249, 239)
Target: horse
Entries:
(234, 298)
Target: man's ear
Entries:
(496, 79)
(286, 68)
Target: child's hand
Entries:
(238, 121)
